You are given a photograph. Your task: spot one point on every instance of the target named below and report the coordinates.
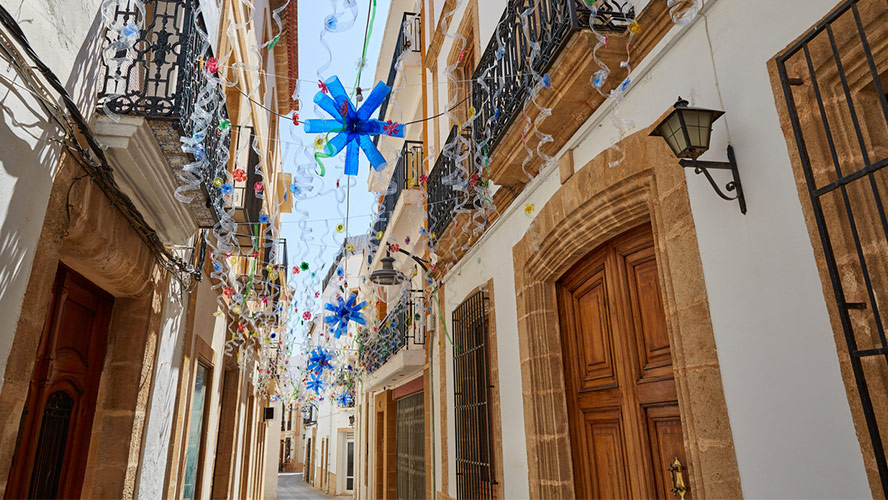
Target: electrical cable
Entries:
(101, 173)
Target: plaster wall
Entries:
(65, 39)
(788, 409)
(272, 452)
(155, 449)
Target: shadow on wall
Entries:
(29, 156)
(83, 83)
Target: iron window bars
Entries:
(471, 400)
(410, 444)
(164, 82)
(845, 183)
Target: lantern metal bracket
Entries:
(734, 186)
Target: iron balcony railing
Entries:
(503, 76)
(447, 186)
(401, 328)
(409, 40)
(164, 80)
(406, 175)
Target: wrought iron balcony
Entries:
(447, 184)
(409, 40)
(164, 82)
(503, 76)
(399, 330)
(406, 175)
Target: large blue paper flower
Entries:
(343, 312)
(315, 384)
(354, 127)
(319, 360)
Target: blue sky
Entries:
(326, 206)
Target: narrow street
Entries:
(443, 249)
(292, 487)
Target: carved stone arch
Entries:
(594, 205)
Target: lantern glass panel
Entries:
(670, 129)
(699, 125)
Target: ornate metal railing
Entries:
(447, 185)
(409, 39)
(405, 175)
(401, 328)
(164, 78)
(502, 79)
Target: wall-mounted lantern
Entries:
(387, 275)
(688, 131)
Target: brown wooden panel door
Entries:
(623, 410)
(57, 420)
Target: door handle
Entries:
(678, 486)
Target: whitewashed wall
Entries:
(164, 392)
(272, 454)
(66, 39)
(788, 408)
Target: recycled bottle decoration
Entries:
(343, 312)
(353, 127)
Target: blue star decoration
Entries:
(319, 360)
(315, 384)
(354, 126)
(343, 312)
(346, 399)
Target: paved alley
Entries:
(292, 487)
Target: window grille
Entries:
(834, 86)
(471, 397)
(410, 444)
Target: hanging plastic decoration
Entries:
(682, 11)
(343, 312)
(319, 360)
(315, 384)
(346, 399)
(354, 126)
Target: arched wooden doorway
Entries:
(56, 424)
(625, 424)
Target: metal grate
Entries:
(410, 442)
(471, 396)
(834, 87)
(51, 444)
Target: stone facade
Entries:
(594, 205)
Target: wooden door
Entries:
(56, 423)
(625, 425)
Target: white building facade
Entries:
(593, 261)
